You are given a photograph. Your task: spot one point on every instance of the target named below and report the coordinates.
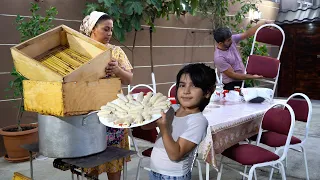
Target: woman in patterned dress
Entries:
(99, 26)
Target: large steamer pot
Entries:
(70, 137)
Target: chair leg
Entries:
(125, 170)
(271, 173)
(283, 173)
(255, 174)
(130, 142)
(245, 172)
(220, 171)
(207, 171)
(138, 169)
(305, 161)
(286, 163)
(276, 150)
(251, 173)
(199, 169)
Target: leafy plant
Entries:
(30, 28)
(36, 24)
(217, 12)
(129, 14)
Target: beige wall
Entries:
(176, 42)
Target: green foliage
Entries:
(129, 14)
(36, 24)
(217, 11)
(29, 28)
(16, 85)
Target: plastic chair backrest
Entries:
(302, 109)
(270, 34)
(279, 120)
(265, 34)
(172, 91)
(141, 88)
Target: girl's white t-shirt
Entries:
(193, 128)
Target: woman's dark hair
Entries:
(103, 18)
(202, 76)
(222, 34)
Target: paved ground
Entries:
(43, 169)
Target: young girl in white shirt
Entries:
(183, 127)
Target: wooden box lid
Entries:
(43, 58)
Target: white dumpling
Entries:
(128, 121)
(107, 108)
(136, 103)
(161, 103)
(147, 98)
(138, 119)
(156, 97)
(163, 98)
(140, 97)
(129, 97)
(122, 97)
(155, 111)
(117, 108)
(101, 113)
(146, 116)
(120, 121)
(121, 114)
(160, 107)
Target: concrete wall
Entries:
(176, 42)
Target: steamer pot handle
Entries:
(84, 119)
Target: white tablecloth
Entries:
(230, 123)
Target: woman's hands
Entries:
(113, 68)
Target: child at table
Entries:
(183, 127)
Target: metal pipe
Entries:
(31, 166)
(133, 46)
(151, 57)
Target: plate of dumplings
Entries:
(128, 111)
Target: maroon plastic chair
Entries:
(266, 66)
(303, 111)
(276, 120)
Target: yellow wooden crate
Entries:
(61, 55)
(69, 98)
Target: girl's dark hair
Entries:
(103, 18)
(222, 34)
(202, 76)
